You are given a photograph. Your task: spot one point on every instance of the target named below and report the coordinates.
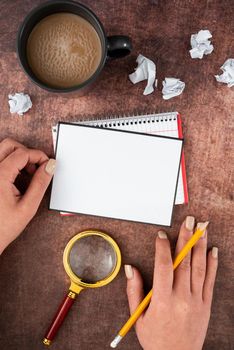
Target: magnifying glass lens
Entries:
(92, 258)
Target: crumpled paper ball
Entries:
(201, 44)
(19, 103)
(227, 77)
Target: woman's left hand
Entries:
(16, 210)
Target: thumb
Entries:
(135, 290)
(37, 187)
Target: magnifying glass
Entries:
(91, 259)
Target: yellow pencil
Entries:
(145, 302)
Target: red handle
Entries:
(59, 317)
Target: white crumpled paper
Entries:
(201, 44)
(227, 76)
(146, 70)
(172, 87)
(19, 103)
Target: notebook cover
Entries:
(184, 177)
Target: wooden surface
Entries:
(32, 277)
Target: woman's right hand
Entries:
(179, 312)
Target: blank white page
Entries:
(116, 174)
(163, 124)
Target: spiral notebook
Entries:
(166, 124)
(122, 172)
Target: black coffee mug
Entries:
(112, 46)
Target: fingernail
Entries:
(214, 252)
(205, 232)
(50, 167)
(189, 223)
(162, 235)
(128, 271)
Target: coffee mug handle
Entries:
(118, 46)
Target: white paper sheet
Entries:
(115, 174)
(162, 124)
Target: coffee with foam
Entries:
(64, 50)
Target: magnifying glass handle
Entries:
(63, 309)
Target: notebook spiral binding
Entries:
(129, 119)
(125, 119)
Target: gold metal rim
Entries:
(46, 341)
(77, 280)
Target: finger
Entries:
(37, 187)
(30, 168)
(7, 146)
(212, 265)
(163, 268)
(199, 265)
(12, 165)
(135, 290)
(16, 192)
(183, 271)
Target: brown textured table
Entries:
(31, 273)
